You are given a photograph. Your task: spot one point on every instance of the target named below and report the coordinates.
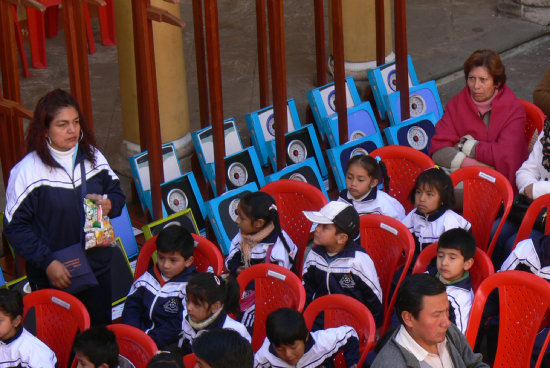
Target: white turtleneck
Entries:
(64, 158)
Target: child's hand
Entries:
(240, 269)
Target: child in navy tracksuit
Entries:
(455, 256)
(155, 301)
(290, 344)
(337, 264)
(209, 299)
(363, 175)
(433, 197)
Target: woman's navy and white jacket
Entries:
(156, 306)
(279, 254)
(25, 350)
(43, 209)
(376, 201)
(427, 229)
(223, 321)
(351, 272)
(321, 346)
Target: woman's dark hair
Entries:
(376, 169)
(284, 326)
(46, 109)
(410, 296)
(261, 206)
(490, 60)
(437, 179)
(209, 288)
(224, 349)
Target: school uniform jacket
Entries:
(25, 350)
(156, 306)
(530, 257)
(321, 347)
(223, 321)
(461, 297)
(279, 254)
(44, 207)
(427, 229)
(351, 272)
(377, 202)
(532, 172)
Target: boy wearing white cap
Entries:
(337, 264)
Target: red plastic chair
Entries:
(524, 299)
(59, 317)
(206, 254)
(481, 269)
(534, 123)
(292, 197)
(189, 360)
(134, 344)
(275, 287)
(404, 164)
(343, 310)
(485, 191)
(539, 204)
(390, 245)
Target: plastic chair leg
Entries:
(37, 38)
(52, 21)
(107, 23)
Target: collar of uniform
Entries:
(371, 195)
(18, 332)
(432, 216)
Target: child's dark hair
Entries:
(166, 360)
(284, 326)
(209, 288)
(98, 344)
(460, 240)
(176, 238)
(11, 303)
(376, 169)
(437, 179)
(261, 206)
(224, 349)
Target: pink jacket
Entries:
(502, 146)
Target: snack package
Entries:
(98, 230)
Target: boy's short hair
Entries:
(284, 326)
(224, 349)
(11, 303)
(460, 240)
(176, 238)
(98, 344)
(166, 360)
(343, 215)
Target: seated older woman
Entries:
(484, 124)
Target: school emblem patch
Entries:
(346, 282)
(172, 305)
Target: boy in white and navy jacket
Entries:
(290, 344)
(19, 348)
(338, 265)
(455, 257)
(155, 301)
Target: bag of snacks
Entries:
(98, 230)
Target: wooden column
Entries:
(402, 71)
(339, 72)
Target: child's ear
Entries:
(468, 264)
(189, 261)
(373, 183)
(342, 238)
(17, 321)
(259, 224)
(216, 306)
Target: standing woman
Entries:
(44, 211)
(484, 124)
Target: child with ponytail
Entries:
(209, 299)
(260, 238)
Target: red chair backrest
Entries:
(404, 164)
(341, 310)
(189, 360)
(534, 123)
(485, 191)
(59, 317)
(390, 245)
(539, 204)
(292, 197)
(482, 268)
(206, 254)
(134, 344)
(524, 299)
(275, 287)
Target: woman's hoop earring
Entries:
(81, 135)
(49, 140)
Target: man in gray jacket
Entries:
(426, 337)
